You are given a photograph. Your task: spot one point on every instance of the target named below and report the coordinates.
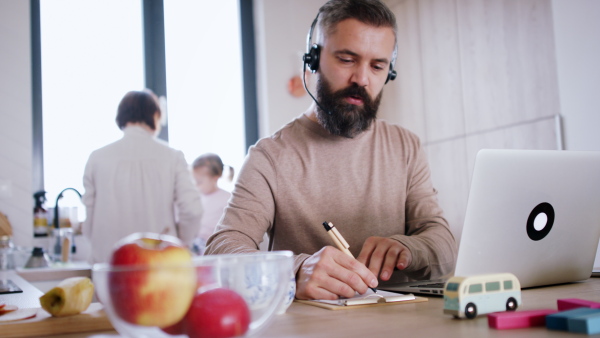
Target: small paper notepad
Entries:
(368, 299)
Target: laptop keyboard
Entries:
(436, 288)
(429, 285)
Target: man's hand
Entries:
(330, 273)
(382, 255)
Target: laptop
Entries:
(533, 213)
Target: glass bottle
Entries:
(6, 253)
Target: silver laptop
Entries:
(534, 213)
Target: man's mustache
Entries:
(356, 91)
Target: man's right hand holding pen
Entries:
(331, 273)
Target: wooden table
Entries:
(414, 320)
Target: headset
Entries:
(313, 53)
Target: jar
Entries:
(38, 259)
(6, 253)
(61, 244)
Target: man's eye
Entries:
(345, 60)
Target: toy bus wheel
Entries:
(511, 304)
(470, 311)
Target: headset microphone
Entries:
(311, 95)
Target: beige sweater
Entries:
(376, 184)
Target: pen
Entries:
(339, 241)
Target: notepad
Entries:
(368, 299)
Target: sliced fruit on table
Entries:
(19, 314)
(8, 308)
(70, 297)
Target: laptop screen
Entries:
(534, 213)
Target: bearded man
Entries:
(338, 163)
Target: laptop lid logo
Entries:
(540, 221)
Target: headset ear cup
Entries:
(313, 58)
(391, 75)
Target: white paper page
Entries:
(369, 298)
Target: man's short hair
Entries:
(370, 12)
(136, 107)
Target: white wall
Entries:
(16, 195)
(577, 35)
(281, 27)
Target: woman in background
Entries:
(138, 183)
(207, 170)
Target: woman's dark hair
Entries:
(138, 106)
(214, 163)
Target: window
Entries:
(452, 287)
(475, 288)
(508, 285)
(87, 66)
(492, 286)
(204, 80)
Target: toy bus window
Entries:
(475, 288)
(508, 285)
(492, 286)
(452, 287)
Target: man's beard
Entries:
(347, 120)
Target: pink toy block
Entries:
(573, 303)
(518, 319)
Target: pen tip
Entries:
(326, 226)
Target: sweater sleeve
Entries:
(251, 210)
(428, 234)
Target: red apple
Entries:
(153, 281)
(175, 329)
(216, 313)
(205, 280)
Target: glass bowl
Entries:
(261, 280)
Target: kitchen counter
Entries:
(46, 278)
(92, 320)
(29, 298)
(56, 272)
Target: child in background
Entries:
(207, 170)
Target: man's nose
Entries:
(360, 76)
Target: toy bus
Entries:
(473, 295)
